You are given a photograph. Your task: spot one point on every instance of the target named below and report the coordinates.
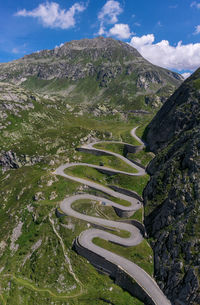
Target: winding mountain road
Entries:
(86, 238)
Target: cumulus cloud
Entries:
(139, 42)
(109, 15)
(101, 30)
(51, 15)
(197, 30)
(110, 12)
(195, 4)
(179, 57)
(59, 46)
(186, 75)
(120, 30)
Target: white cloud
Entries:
(179, 57)
(51, 15)
(197, 30)
(195, 4)
(101, 30)
(110, 12)
(60, 45)
(120, 30)
(139, 42)
(109, 15)
(186, 74)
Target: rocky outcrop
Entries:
(10, 160)
(172, 196)
(14, 100)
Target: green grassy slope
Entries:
(33, 268)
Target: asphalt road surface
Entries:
(135, 237)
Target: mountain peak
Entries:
(111, 69)
(95, 47)
(99, 42)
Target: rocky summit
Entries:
(172, 215)
(92, 71)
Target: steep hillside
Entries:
(38, 133)
(172, 215)
(50, 103)
(93, 71)
(180, 113)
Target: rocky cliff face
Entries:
(179, 114)
(10, 160)
(172, 197)
(101, 68)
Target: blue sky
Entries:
(167, 33)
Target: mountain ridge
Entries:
(172, 195)
(188, 91)
(115, 71)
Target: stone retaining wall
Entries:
(132, 149)
(137, 163)
(91, 151)
(126, 192)
(115, 272)
(137, 224)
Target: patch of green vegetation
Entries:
(95, 208)
(86, 206)
(98, 193)
(86, 172)
(103, 290)
(142, 157)
(34, 82)
(87, 86)
(134, 183)
(107, 161)
(196, 83)
(141, 130)
(113, 147)
(138, 215)
(142, 254)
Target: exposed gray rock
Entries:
(53, 196)
(14, 100)
(10, 160)
(172, 212)
(38, 196)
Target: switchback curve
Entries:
(85, 239)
